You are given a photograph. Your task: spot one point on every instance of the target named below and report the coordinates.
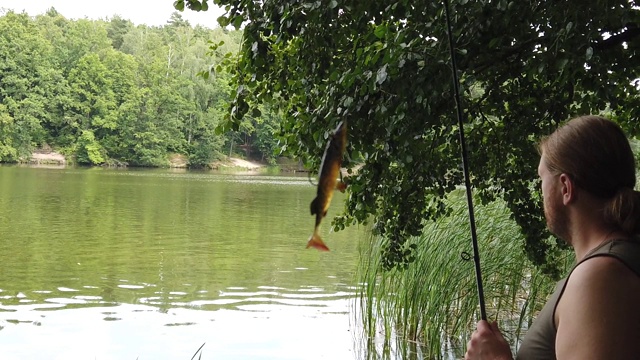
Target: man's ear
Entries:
(568, 189)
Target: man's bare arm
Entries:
(595, 316)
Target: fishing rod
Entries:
(465, 164)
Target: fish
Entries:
(328, 181)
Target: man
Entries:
(588, 176)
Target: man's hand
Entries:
(487, 343)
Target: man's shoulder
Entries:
(602, 277)
(599, 310)
(605, 268)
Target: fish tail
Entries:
(316, 242)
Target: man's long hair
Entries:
(596, 155)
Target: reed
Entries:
(432, 305)
(198, 353)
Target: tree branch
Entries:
(617, 39)
(504, 55)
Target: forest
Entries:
(108, 92)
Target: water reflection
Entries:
(130, 331)
(239, 324)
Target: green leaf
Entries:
(223, 21)
(195, 5)
(382, 75)
(589, 53)
(179, 5)
(333, 4)
(562, 63)
(380, 31)
(237, 22)
(569, 26)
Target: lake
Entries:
(100, 263)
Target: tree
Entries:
(92, 113)
(384, 67)
(79, 38)
(266, 126)
(117, 28)
(28, 83)
(122, 71)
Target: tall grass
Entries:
(433, 302)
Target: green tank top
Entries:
(540, 341)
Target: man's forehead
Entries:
(541, 163)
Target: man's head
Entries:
(593, 154)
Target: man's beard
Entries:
(557, 220)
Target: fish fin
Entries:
(313, 207)
(341, 186)
(324, 213)
(316, 242)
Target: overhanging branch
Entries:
(617, 39)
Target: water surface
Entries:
(151, 264)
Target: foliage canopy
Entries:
(384, 66)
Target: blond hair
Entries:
(595, 153)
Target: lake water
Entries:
(151, 264)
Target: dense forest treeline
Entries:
(109, 92)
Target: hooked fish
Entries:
(328, 182)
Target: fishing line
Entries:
(309, 178)
(465, 163)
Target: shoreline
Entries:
(55, 159)
(46, 157)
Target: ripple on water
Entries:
(66, 289)
(65, 301)
(132, 287)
